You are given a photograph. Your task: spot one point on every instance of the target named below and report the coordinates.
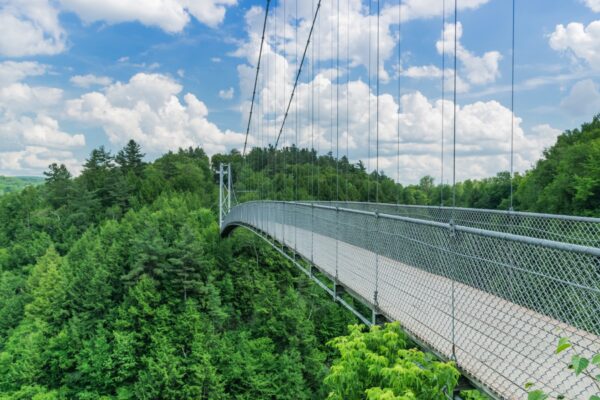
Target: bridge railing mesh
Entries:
(569, 229)
(493, 291)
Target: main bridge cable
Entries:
(312, 27)
(262, 41)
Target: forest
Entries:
(115, 284)
(10, 184)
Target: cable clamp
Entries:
(452, 228)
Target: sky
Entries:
(77, 74)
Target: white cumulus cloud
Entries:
(169, 15)
(583, 99)
(594, 5)
(477, 69)
(581, 41)
(150, 109)
(86, 81)
(227, 94)
(30, 27)
(14, 71)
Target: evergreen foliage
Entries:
(116, 285)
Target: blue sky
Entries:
(76, 74)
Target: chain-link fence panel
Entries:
(492, 291)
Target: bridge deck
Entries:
(501, 344)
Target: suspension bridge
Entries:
(491, 290)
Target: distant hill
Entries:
(9, 184)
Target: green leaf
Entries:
(528, 385)
(537, 395)
(595, 397)
(563, 344)
(596, 360)
(579, 363)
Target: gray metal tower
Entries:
(224, 191)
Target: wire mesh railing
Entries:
(492, 290)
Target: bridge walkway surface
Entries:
(496, 302)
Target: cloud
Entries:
(478, 70)
(12, 71)
(226, 94)
(481, 151)
(30, 27)
(85, 81)
(149, 110)
(29, 145)
(169, 15)
(18, 98)
(433, 72)
(421, 9)
(594, 5)
(31, 160)
(41, 131)
(583, 99)
(580, 41)
(216, 60)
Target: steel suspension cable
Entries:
(299, 72)
(337, 109)
(347, 97)
(377, 111)
(443, 99)
(297, 153)
(312, 111)
(262, 41)
(454, 175)
(369, 109)
(454, 110)
(512, 108)
(399, 99)
(331, 68)
(284, 96)
(319, 117)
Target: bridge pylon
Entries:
(225, 192)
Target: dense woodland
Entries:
(116, 285)
(9, 184)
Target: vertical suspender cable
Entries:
(296, 157)
(369, 110)
(400, 38)
(347, 97)
(256, 77)
(273, 155)
(337, 107)
(454, 111)
(312, 111)
(512, 108)
(377, 111)
(443, 99)
(298, 73)
(318, 116)
(331, 66)
(454, 172)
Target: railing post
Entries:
(337, 241)
(376, 292)
(452, 241)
